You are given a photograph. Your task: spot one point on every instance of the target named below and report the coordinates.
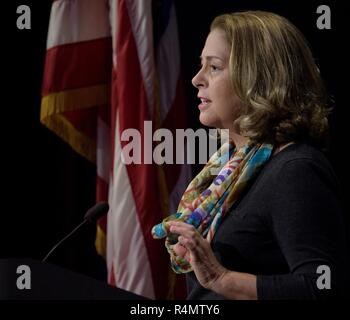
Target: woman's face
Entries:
(219, 105)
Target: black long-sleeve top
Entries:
(287, 224)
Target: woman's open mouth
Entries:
(204, 103)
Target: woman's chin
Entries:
(206, 120)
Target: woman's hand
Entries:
(197, 251)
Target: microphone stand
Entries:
(65, 238)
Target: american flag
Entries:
(110, 66)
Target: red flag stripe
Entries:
(77, 65)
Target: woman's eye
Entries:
(211, 67)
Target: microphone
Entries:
(97, 211)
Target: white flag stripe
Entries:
(76, 21)
(113, 21)
(140, 13)
(125, 242)
(168, 62)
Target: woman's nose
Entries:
(198, 79)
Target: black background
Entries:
(46, 187)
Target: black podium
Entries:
(50, 282)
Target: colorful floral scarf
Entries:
(210, 196)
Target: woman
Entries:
(265, 226)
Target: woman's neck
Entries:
(237, 139)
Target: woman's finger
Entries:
(180, 250)
(183, 229)
(188, 243)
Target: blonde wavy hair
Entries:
(275, 76)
